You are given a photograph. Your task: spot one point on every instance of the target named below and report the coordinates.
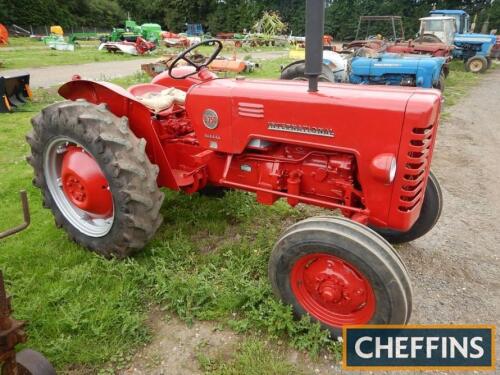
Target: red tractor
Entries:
(101, 157)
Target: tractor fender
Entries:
(122, 103)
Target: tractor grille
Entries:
(251, 110)
(416, 167)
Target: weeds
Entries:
(253, 357)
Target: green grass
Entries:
(39, 57)
(29, 53)
(458, 83)
(208, 261)
(253, 357)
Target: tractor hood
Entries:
(228, 114)
(425, 69)
(475, 38)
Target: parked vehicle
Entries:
(101, 156)
(151, 32)
(452, 27)
(367, 66)
(400, 62)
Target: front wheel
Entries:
(340, 272)
(476, 64)
(429, 215)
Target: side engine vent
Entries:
(416, 167)
(251, 110)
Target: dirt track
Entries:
(56, 75)
(455, 269)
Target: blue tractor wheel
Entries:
(476, 64)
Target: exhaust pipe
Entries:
(315, 27)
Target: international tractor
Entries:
(452, 28)
(101, 157)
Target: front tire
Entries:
(96, 178)
(429, 215)
(340, 272)
(476, 64)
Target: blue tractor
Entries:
(366, 66)
(398, 69)
(452, 27)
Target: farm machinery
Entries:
(101, 156)
(369, 67)
(375, 61)
(452, 28)
(27, 361)
(396, 42)
(150, 32)
(4, 35)
(495, 51)
(14, 91)
(138, 47)
(219, 65)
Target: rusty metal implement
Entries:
(27, 361)
(26, 215)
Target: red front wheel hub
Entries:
(332, 290)
(84, 183)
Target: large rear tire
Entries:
(340, 272)
(96, 178)
(296, 71)
(429, 215)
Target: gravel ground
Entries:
(55, 75)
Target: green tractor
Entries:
(149, 31)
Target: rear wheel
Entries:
(95, 177)
(476, 64)
(429, 215)
(296, 71)
(340, 272)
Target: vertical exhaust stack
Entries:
(315, 27)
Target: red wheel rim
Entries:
(84, 183)
(332, 290)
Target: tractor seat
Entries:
(156, 97)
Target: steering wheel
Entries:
(198, 67)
